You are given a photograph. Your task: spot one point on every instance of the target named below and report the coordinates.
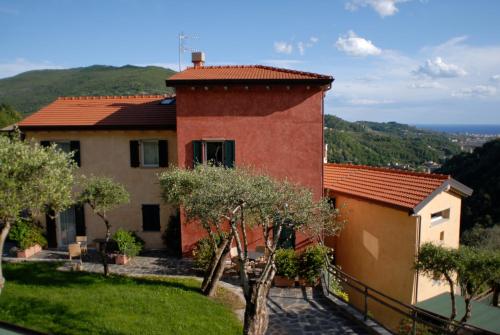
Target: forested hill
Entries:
(387, 143)
(29, 91)
(479, 170)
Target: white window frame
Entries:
(440, 216)
(143, 164)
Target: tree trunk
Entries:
(496, 293)
(468, 308)
(104, 250)
(3, 237)
(256, 316)
(216, 268)
(453, 301)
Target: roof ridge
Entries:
(391, 170)
(102, 97)
(266, 67)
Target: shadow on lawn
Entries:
(55, 318)
(46, 274)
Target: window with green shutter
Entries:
(220, 153)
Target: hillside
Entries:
(479, 170)
(383, 144)
(29, 91)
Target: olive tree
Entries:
(34, 179)
(103, 194)
(232, 202)
(476, 268)
(470, 268)
(439, 263)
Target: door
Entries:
(67, 227)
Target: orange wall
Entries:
(276, 130)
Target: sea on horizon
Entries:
(480, 129)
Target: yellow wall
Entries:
(378, 247)
(427, 287)
(107, 153)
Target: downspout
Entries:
(417, 249)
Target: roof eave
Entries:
(96, 127)
(447, 185)
(194, 82)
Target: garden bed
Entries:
(38, 296)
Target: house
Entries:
(390, 214)
(267, 118)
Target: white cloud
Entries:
(430, 84)
(283, 47)
(302, 46)
(437, 68)
(20, 65)
(476, 91)
(365, 102)
(382, 7)
(495, 78)
(354, 45)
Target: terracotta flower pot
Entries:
(281, 281)
(29, 252)
(305, 283)
(121, 259)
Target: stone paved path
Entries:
(306, 311)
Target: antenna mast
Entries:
(182, 46)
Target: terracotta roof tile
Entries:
(395, 187)
(244, 72)
(104, 112)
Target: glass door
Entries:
(67, 224)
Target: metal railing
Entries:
(418, 318)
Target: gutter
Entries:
(417, 251)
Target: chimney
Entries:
(198, 59)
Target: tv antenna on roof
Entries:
(183, 47)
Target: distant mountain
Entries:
(479, 170)
(29, 91)
(383, 144)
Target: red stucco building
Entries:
(267, 118)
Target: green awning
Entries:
(483, 316)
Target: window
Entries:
(150, 156)
(218, 152)
(151, 217)
(441, 236)
(148, 153)
(214, 152)
(66, 146)
(440, 216)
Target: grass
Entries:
(39, 297)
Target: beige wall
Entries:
(430, 232)
(107, 153)
(379, 243)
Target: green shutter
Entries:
(163, 153)
(229, 154)
(197, 153)
(134, 154)
(74, 146)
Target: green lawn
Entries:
(39, 297)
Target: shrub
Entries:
(338, 290)
(311, 262)
(204, 251)
(127, 243)
(26, 234)
(287, 263)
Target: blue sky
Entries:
(412, 61)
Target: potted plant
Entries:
(28, 237)
(286, 267)
(311, 262)
(128, 246)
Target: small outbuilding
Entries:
(390, 214)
